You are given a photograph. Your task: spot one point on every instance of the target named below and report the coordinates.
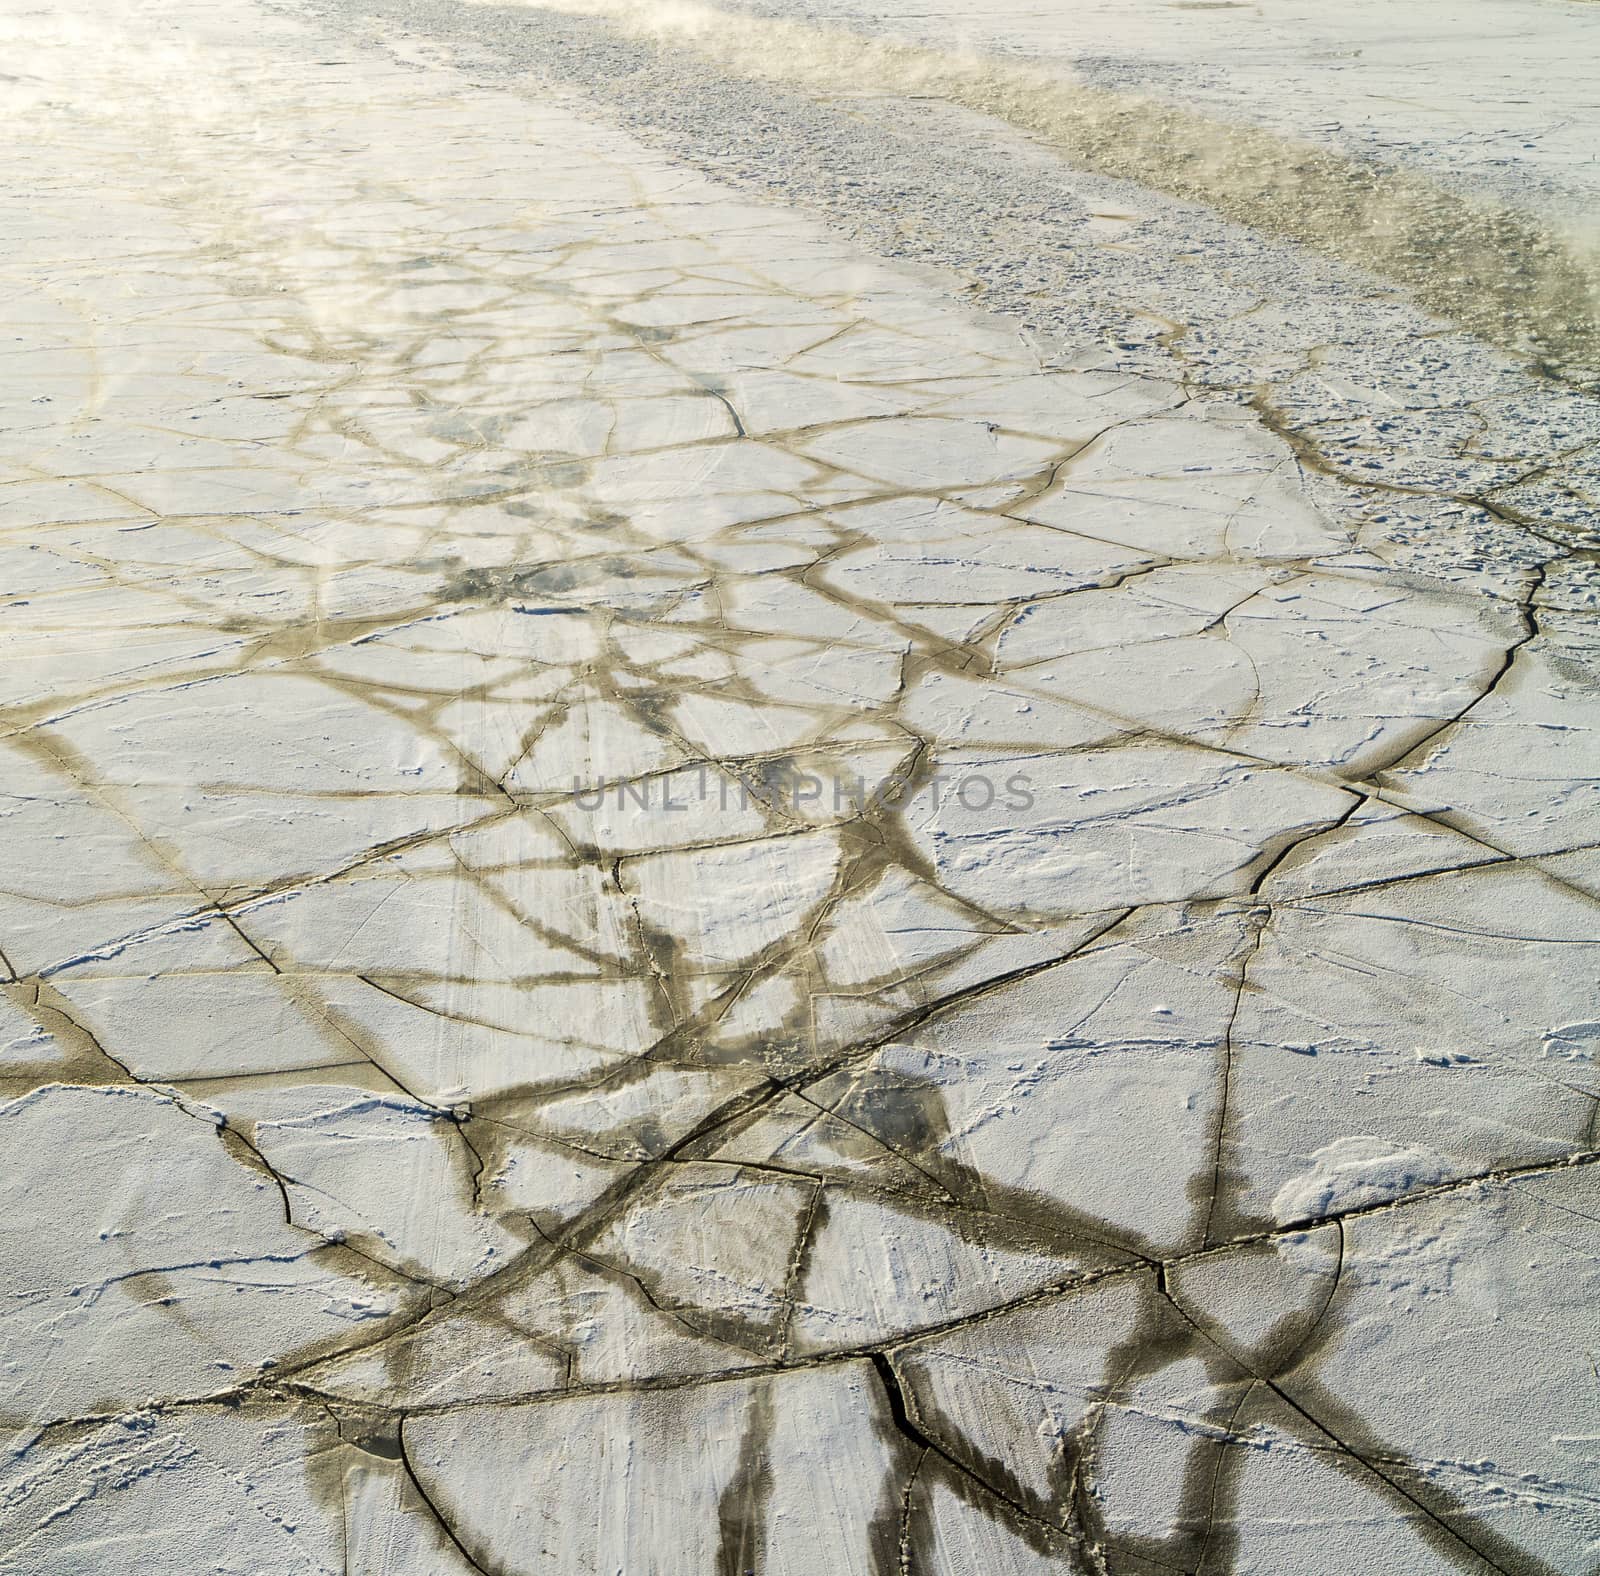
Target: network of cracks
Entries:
(669, 909)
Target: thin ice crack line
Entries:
(1440, 819)
(1531, 632)
(903, 1413)
(1260, 925)
(606, 1266)
(443, 1522)
(907, 1502)
(1388, 1478)
(229, 1132)
(230, 910)
(1309, 904)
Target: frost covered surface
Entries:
(1497, 93)
(672, 903)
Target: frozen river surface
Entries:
(804, 790)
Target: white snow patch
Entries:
(1356, 1171)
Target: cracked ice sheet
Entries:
(647, 871)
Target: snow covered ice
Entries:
(767, 809)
